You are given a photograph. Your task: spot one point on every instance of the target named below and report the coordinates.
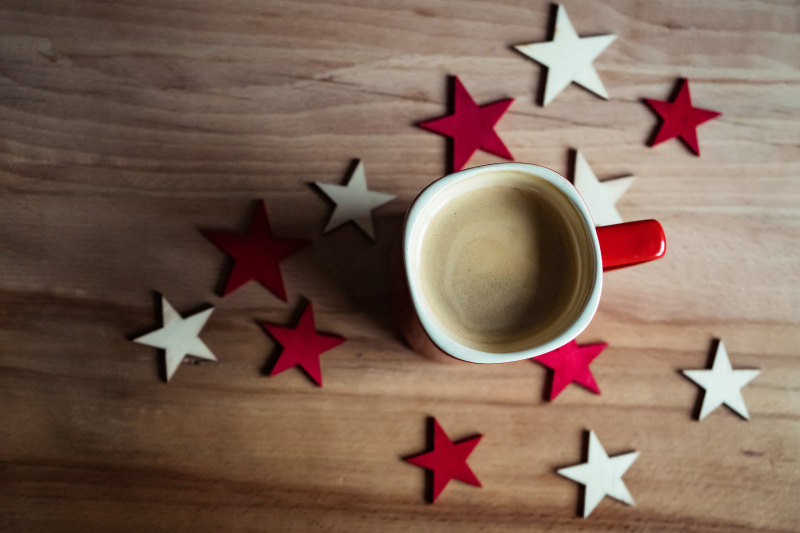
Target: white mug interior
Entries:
(576, 316)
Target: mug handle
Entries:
(631, 243)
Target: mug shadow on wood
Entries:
(347, 260)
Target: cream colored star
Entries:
(601, 475)
(600, 197)
(722, 384)
(178, 337)
(354, 202)
(568, 58)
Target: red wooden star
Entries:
(257, 254)
(447, 460)
(570, 363)
(302, 345)
(680, 118)
(471, 127)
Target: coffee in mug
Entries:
(498, 265)
(503, 262)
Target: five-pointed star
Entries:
(257, 254)
(471, 127)
(302, 345)
(568, 58)
(447, 460)
(680, 118)
(722, 384)
(570, 363)
(600, 197)
(354, 202)
(178, 337)
(601, 475)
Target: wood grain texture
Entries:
(129, 126)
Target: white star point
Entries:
(568, 58)
(601, 475)
(354, 202)
(178, 337)
(722, 384)
(600, 197)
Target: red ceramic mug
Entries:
(596, 250)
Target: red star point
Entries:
(680, 118)
(302, 345)
(257, 254)
(569, 364)
(447, 460)
(471, 127)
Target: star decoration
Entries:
(570, 363)
(178, 337)
(257, 254)
(302, 345)
(568, 58)
(447, 460)
(722, 384)
(354, 202)
(601, 475)
(471, 127)
(680, 118)
(600, 197)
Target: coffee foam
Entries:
(500, 265)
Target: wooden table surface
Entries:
(127, 127)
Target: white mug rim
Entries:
(439, 337)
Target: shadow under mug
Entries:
(603, 248)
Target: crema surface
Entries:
(498, 265)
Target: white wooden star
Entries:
(354, 202)
(568, 58)
(601, 475)
(600, 197)
(722, 384)
(178, 337)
